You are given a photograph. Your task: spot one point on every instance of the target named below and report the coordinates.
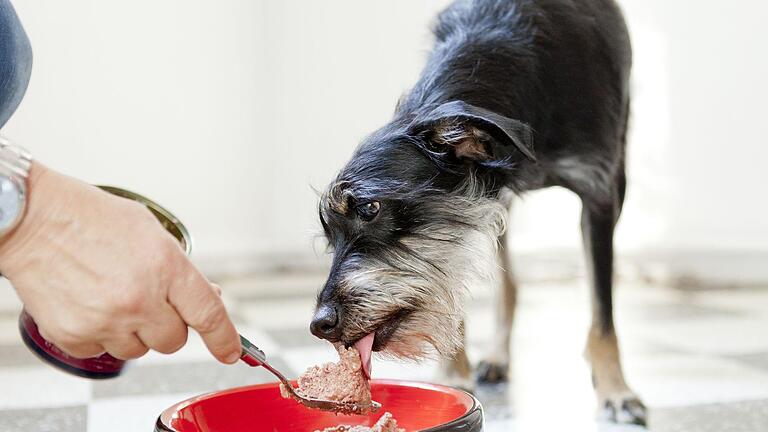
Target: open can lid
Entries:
(170, 222)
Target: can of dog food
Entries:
(103, 366)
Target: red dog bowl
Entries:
(416, 407)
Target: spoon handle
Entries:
(253, 356)
(251, 353)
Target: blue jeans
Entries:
(15, 61)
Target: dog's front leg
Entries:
(494, 368)
(615, 399)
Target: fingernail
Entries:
(235, 356)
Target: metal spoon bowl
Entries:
(255, 357)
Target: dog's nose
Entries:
(325, 324)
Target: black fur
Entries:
(517, 94)
(561, 67)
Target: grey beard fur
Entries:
(433, 282)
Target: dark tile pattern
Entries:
(280, 308)
(676, 311)
(758, 360)
(17, 355)
(59, 419)
(748, 416)
(9, 315)
(496, 400)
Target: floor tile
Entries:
(11, 314)
(59, 419)
(676, 311)
(715, 336)
(9, 301)
(9, 329)
(17, 355)
(696, 357)
(757, 360)
(555, 422)
(185, 378)
(742, 416)
(678, 380)
(747, 299)
(130, 414)
(41, 386)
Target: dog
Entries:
(516, 95)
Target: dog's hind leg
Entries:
(494, 368)
(457, 371)
(615, 400)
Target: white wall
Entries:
(229, 112)
(709, 171)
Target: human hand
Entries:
(99, 273)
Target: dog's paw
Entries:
(489, 372)
(624, 407)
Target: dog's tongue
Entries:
(364, 346)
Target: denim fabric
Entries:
(15, 61)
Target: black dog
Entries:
(516, 95)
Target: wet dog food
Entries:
(338, 382)
(386, 423)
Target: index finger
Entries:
(201, 308)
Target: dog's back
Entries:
(561, 66)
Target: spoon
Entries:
(255, 357)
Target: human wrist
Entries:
(13, 243)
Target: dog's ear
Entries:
(473, 133)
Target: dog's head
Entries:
(412, 221)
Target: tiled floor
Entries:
(699, 359)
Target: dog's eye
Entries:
(368, 211)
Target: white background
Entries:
(230, 112)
